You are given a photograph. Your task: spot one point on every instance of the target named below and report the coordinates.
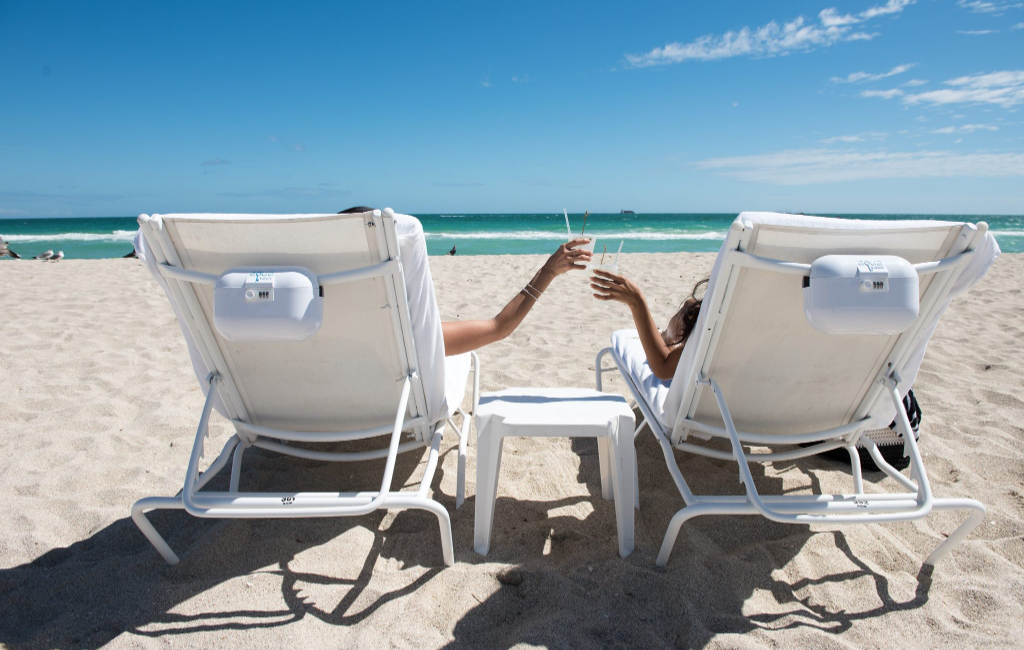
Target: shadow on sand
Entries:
(564, 585)
(88, 593)
(580, 594)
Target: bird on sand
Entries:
(5, 250)
(58, 257)
(452, 251)
(44, 256)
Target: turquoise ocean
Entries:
(474, 234)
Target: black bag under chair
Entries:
(888, 440)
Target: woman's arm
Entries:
(468, 335)
(661, 357)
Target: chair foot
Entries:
(147, 529)
(977, 511)
(697, 510)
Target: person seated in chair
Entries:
(663, 348)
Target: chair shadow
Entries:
(86, 594)
(578, 596)
(570, 588)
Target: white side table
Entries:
(556, 413)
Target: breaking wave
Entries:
(117, 235)
(554, 236)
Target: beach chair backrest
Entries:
(780, 375)
(346, 377)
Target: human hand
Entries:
(568, 257)
(609, 286)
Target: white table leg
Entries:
(636, 480)
(624, 480)
(488, 466)
(604, 456)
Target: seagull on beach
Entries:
(44, 256)
(452, 251)
(58, 257)
(5, 250)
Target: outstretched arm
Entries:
(468, 335)
(661, 357)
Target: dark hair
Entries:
(356, 210)
(686, 318)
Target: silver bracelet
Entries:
(530, 290)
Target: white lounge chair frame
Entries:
(838, 509)
(235, 504)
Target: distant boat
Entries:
(626, 212)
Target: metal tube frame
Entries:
(236, 504)
(838, 509)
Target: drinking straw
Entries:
(584, 223)
(567, 228)
(619, 253)
(603, 254)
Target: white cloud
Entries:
(857, 77)
(966, 128)
(832, 18)
(978, 32)
(884, 94)
(735, 104)
(814, 166)
(990, 7)
(486, 82)
(525, 79)
(860, 137)
(915, 82)
(1004, 88)
(213, 162)
(299, 147)
(769, 40)
(958, 141)
(1018, 26)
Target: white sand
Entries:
(98, 406)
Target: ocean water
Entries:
(475, 234)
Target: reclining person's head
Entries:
(680, 326)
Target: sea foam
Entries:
(554, 236)
(117, 235)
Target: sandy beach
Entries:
(98, 406)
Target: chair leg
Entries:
(401, 500)
(488, 467)
(697, 510)
(236, 468)
(977, 511)
(139, 517)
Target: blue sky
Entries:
(832, 106)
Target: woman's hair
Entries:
(681, 325)
(356, 210)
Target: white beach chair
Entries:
(756, 373)
(361, 356)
